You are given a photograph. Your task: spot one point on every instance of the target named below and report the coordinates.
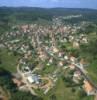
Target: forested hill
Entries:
(28, 13)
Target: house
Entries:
(42, 56)
(71, 38)
(60, 63)
(60, 54)
(26, 69)
(88, 88)
(84, 40)
(76, 76)
(65, 40)
(72, 66)
(50, 60)
(24, 28)
(75, 44)
(55, 50)
(72, 58)
(66, 57)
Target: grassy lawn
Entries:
(92, 71)
(9, 61)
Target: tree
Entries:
(0, 61)
(82, 94)
(6, 82)
(53, 97)
(23, 96)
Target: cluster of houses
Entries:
(45, 42)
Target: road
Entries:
(3, 95)
(95, 97)
(49, 84)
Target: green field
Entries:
(8, 60)
(92, 71)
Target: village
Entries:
(45, 52)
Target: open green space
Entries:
(8, 61)
(49, 69)
(92, 71)
(62, 92)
